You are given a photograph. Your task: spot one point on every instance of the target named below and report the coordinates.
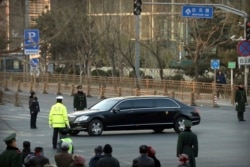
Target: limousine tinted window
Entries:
(125, 105)
(165, 103)
(143, 103)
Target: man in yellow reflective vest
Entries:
(58, 119)
(65, 139)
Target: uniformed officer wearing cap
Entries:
(58, 119)
(79, 102)
(12, 156)
(188, 143)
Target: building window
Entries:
(16, 65)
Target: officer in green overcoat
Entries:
(80, 102)
(188, 143)
(12, 156)
(240, 102)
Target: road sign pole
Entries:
(214, 81)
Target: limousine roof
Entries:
(139, 97)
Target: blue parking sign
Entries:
(31, 41)
(215, 64)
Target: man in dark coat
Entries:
(63, 159)
(240, 102)
(12, 156)
(220, 80)
(98, 154)
(143, 160)
(80, 102)
(108, 160)
(188, 143)
(151, 153)
(34, 109)
(38, 160)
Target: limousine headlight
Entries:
(81, 118)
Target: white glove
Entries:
(68, 126)
(236, 103)
(50, 126)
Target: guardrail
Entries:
(103, 87)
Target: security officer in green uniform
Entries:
(12, 156)
(80, 102)
(240, 102)
(188, 143)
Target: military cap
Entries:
(59, 97)
(79, 87)
(188, 123)
(10, 137)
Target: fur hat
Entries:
(151, 151)
(107, 148)
(26, 144)
(78, 159)
(98, 150)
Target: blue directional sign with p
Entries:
(215, 64)
(195, 11)
(31, 41)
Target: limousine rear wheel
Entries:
(179, 124)
(95, 127)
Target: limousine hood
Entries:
(83, 112)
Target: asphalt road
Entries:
(223, 141)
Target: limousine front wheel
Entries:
(95, 127)
(179, 124)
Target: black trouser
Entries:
(33, 116)
(56, 131)
(240, 116)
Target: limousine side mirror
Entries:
(116, 109)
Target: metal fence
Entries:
(186, 91)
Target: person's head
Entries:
(79, 88)
(38, 151)
(107, 149)
(65, 146)
(11, 140)
(32, 93)
(26, 144)
(188, 124)
(143, 149)
(98, 150)
(183, 158)
(59, 99)
(151, 152)
(78, 159)
(241, 85)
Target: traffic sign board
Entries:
(243, 48)
(231, 64)
(215, 64)
(243, 61)
(31, 41)
(34, 63)
(197, 11)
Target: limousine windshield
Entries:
(104, 105)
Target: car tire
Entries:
(158, 130)
(95, 128)
(74, 132)
(179, 124)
